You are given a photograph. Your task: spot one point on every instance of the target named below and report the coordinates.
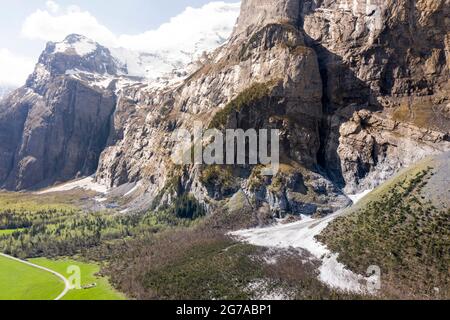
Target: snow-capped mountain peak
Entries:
(74, 56)
(76, 44)
(159, 57)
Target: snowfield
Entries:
(86, 184)
(157, 58)
(358, 197)
(301, 235)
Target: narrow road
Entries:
(66, 282)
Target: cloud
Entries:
(210, 22)
(54, 26)
(193, 25)
(14, 69)
(52, 6)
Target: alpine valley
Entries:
(360, 93)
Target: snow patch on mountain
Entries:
(41, 73)
(85, 184)
(75, 44)
(158, 69)
(161, 56)
(94, 80)
(302, 235)
(358, 197)
(144, 65)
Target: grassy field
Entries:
(22, 282)
(89, 271)
(33, 202)
(9, 231)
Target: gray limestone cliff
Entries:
(358, 89)
(318, 64)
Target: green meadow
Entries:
(89, 275)
(19, 281)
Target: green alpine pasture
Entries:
(19, 281)
(89, 276)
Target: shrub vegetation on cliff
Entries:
(403, 233)
(245, 99)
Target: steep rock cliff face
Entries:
(255, 14)
(325, 60)
(356, 88)
(388, 56)
(54, 128)
(372, 148)
(272, 55)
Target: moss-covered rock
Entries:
(245, 99)
(219, 180)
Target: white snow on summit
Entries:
(82, 46)
(174, 45)
(144, 65)
(152, 55)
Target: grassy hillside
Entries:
(404, 228)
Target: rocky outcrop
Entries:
(395, 48)
(255, 14)
(389, 56)
(373, 147)
(272, 54)
(74, 55)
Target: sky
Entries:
(27, 25)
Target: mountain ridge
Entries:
(345, 125)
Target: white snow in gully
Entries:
(85, 184)
(301, 235)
